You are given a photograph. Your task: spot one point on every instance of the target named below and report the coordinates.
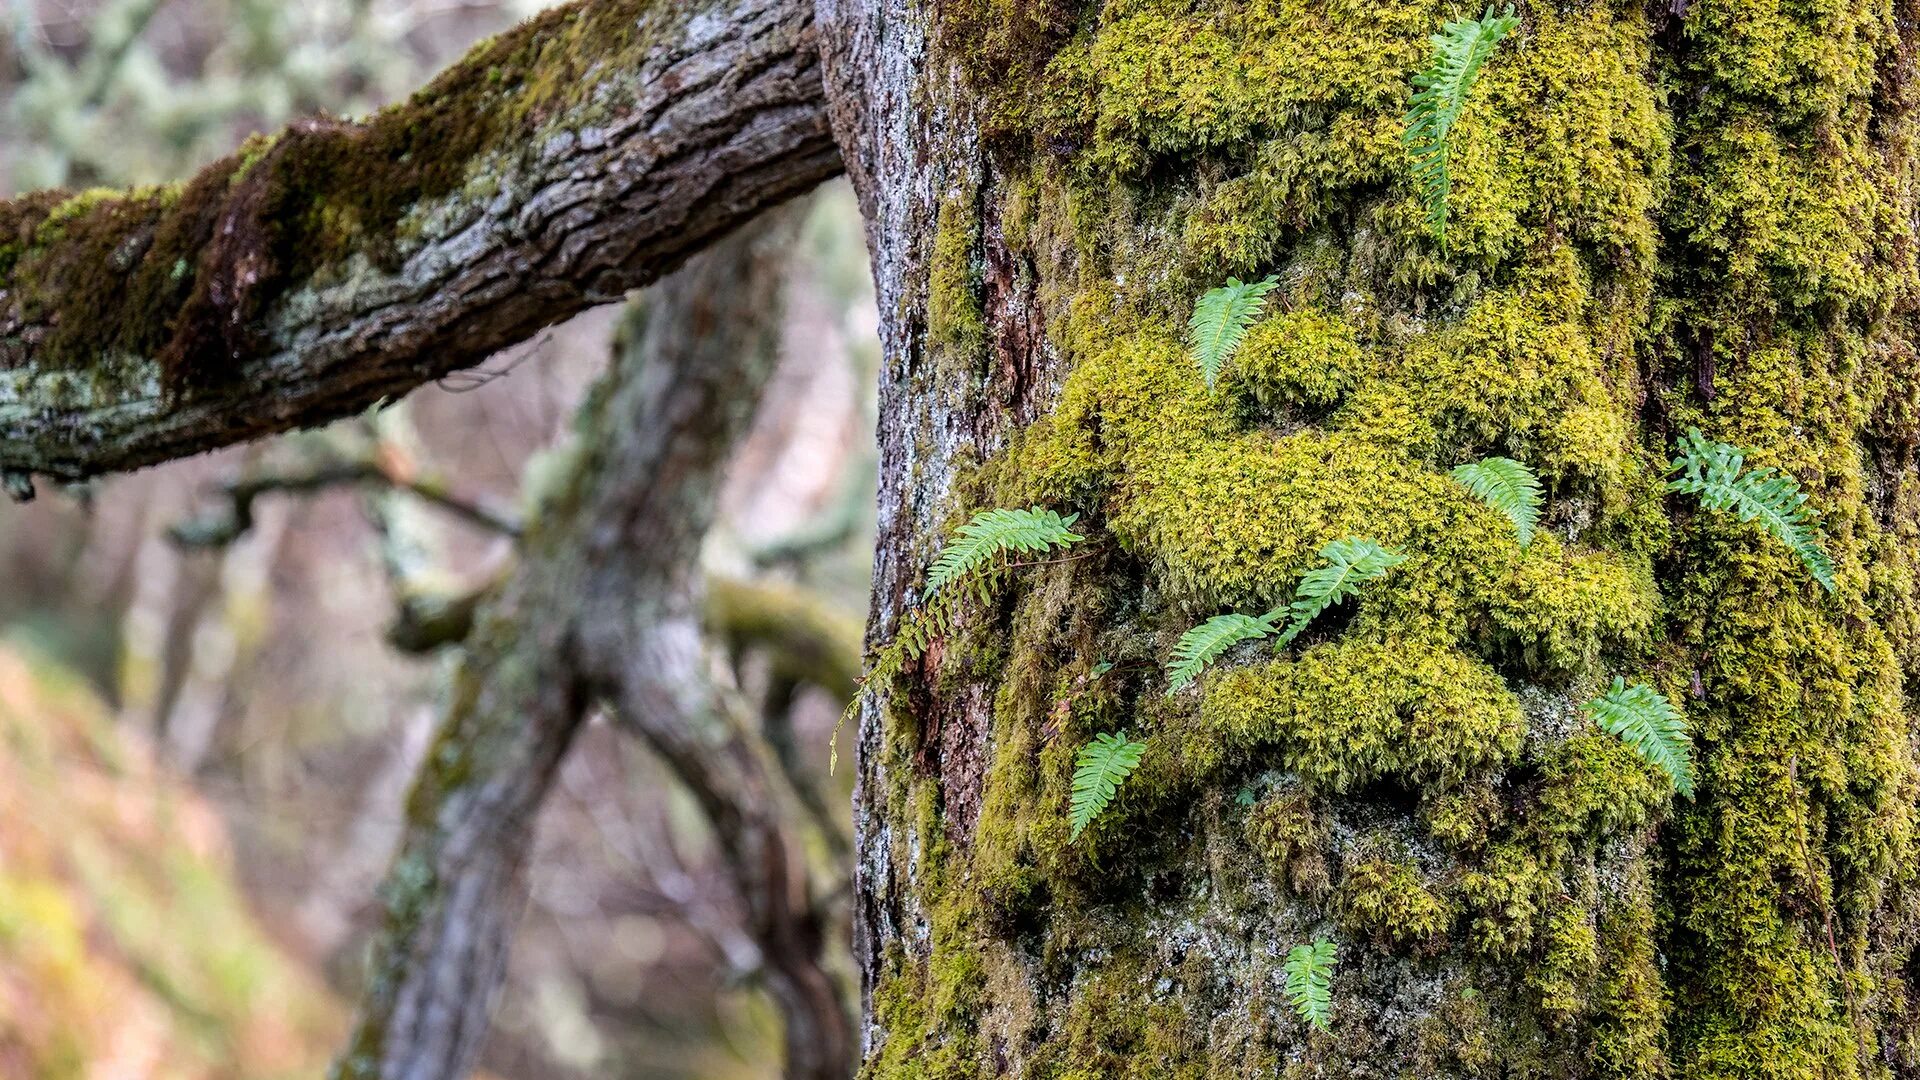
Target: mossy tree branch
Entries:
(315, 272)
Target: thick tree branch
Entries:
(611, 563)
(557, 167)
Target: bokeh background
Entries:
(204, 749)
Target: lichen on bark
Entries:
(1660, 219)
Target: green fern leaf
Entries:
(1440, 91)
(1099, 770)
(1648, 722)
(1351, 563)
(1507, 486)
(1221, 320)
(1309, 970)
(994, 532)
(1716, 473)
(1207, 642)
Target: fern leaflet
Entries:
(1099, 770)
(1440, 91)
(1221, 320)
(1351, 563)
(990, 533)
(1309, 970)
(1715, 472)
(1507, 486)
(993, 532)
(1207, 642)
(1643, 718)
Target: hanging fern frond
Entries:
(994, 532)
(968, 562)
(1715, 472)
(1507, 486)
(1644, 719)
(1309, 970)
(1440, 91)
(1099, 770)
(1221, 320)
(1207, 642)
(1351, 563)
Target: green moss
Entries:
(1386, 900)
(1154, 147)
(954, 319)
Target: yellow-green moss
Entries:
(1386, 900)
(1160, 146)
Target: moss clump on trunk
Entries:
(1656, 222)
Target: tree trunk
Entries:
(1663, 216)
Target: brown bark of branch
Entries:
(578, 157)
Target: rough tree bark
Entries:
(1664, 215)
(600, 609)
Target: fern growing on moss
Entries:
(968, 566)
(1507, 486)
(1351, 563)
(1440, 91)
(1209, 641)
(1309, 970)
(1099, 770)
(1715, 472)
(1644, 719)
(996, 532)
(1221, 320)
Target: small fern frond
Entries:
(1221, 320)
(1207, 642)
(1351, 563)
(1099, 770)
(994, 532)
(1645, 720)
(1440, 91)
(1507, 486)
(1309, 970)
(1716, 473)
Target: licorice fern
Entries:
(1440, 91)
(969, 566)
(1207, 642)
(1221, 320)
(1644, 719)
(1099, 770)
(1507, 486)
(1715, 472)
(1309, 970)
(1351, 563)
(995, 532)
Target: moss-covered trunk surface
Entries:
(1663, 216)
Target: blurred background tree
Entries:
(254, 672)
